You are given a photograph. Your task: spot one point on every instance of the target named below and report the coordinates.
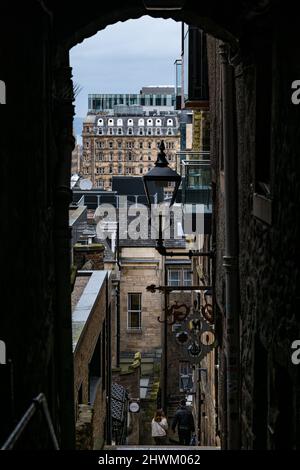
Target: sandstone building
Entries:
(126, 144)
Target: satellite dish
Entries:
(85, 184)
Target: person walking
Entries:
(159, 426)
(184, 421)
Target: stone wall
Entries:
(130, 380)
(90, 255)
(136, 275)
(268, 252)
(82, 358)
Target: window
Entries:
(120, 169)
(170, 122)
(120, 122)
(149, 131)
(110, 131)
(141, 131)
(110, 157)
(141, 145)
(187, 277)
(129, 156)
(100, 122)
(179, 277)
(134, 312)
(149, 145)
(130, 122)
(141, 122)
(129, 145)
(110, 122)
(99, 184)
(110, 169)
(130, 131)
(120, 156)
(100, 131)
(157, 131)
(141, 169)
(173, 277)
(120, 131)
(111, 144)
(158, 122)
(169, 132)
(149, 122)
(87, 144)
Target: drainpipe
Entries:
(109, 365)
(118, 326)
(230, 260)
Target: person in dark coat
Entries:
(184, 421)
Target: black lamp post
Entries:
(161, 175)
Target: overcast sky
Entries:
(124, 57)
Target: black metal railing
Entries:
(38, 403)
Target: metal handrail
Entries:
(40, 402)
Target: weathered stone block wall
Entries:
(94, 254)
(135, 278)
(268, 254)
(130, 380)
(82, 357)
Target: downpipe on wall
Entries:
(230, 260)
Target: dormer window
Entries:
(149, 122)
(120, 131)
(170, 132)
(149, 131)
(158, 131)
(100, 130)
(130, 122)
(141, 131)
(110, 122)
(130, 131)
(141, 122)
(158, 122)
(120, 122)
(170, 122)
(100, 122)
(110, 131)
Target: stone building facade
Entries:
(139, 309)
(263, 42)
(76, 159)
(126, 144)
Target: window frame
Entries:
(131, 310)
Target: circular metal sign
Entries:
(134, 407)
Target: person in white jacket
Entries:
(159, 428)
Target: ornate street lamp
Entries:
(161, 175)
